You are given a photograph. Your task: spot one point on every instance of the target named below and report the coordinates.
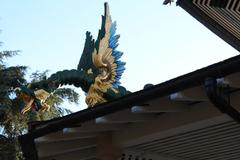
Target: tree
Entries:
(12, 122)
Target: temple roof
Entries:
(194, 116)
(220, 16)
(173, 120)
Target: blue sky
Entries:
(159, 42)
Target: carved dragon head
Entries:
(32, 99)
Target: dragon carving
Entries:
(98, 72)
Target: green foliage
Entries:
(38, 76)
(12, 122)
(10, 78)
(67, 93)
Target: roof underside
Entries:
(181, 126)
(220, 16)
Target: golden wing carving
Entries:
(105, 57)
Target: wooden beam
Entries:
(106, 150)
(167, 124)
(76, 154)
(125, 116)
(62, 136)
(159, 105)
(96, 128)
(55, 148)
(192, 94)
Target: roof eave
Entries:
(192, 79)
(209, 23)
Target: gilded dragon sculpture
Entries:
(98, 73)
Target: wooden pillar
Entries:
(106, 150)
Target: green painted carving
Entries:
(98, 72)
